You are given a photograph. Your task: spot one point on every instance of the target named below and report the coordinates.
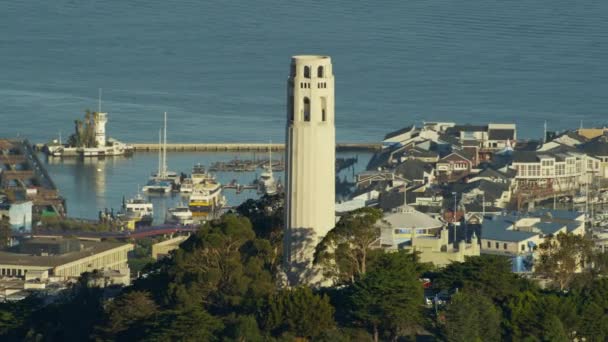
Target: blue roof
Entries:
(572, 226)
(549, 227)
(499, 230)
(557, 214)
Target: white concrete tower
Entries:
(311, 156)
(100, 128)
(100, 120)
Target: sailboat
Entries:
(163, 173)
(155, 184)
(266, 180)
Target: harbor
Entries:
(90, 185)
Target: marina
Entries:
(92, 184)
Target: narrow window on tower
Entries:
(290, 106)
(306, 109)
(307, 72)
(320, 72)
(323, 109)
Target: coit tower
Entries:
(310, 155)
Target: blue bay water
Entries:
(219, 69)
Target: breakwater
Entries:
(245, 147)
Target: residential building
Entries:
(557, 170)
(455, 165)
(519, 236)
(433, 249)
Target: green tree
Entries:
(388, 299)
(562, 256)
(124, 312)
(472, 317)
(190, 324)
(299, 311)
(242, 329)
(343, 252)
(553, 330)
(489, 274)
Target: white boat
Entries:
(158, 186)
(186, 186)
(199, 174)
(137, 212)
(179, 215)
(266, 181)
(163, 174)
(206, 198)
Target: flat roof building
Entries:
(63, 259)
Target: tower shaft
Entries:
(310, 156)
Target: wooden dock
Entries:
(245, 147)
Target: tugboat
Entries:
(136, 212)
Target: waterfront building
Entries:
(560, 169)
(39, 262)
(310, 156)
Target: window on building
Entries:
(307, 72)
(323, 109)
(320, 71)
(489, 244)
(497, 245)
(523, 247)
(306, 109)
(504, 245)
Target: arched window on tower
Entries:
(323, 109)
(306, 109)
(320, 71)
(307, 72)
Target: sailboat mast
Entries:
(165, 149)
(160, 148)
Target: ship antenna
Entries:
(99, 102)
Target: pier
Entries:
(244, 147)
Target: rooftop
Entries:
(89, 248)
